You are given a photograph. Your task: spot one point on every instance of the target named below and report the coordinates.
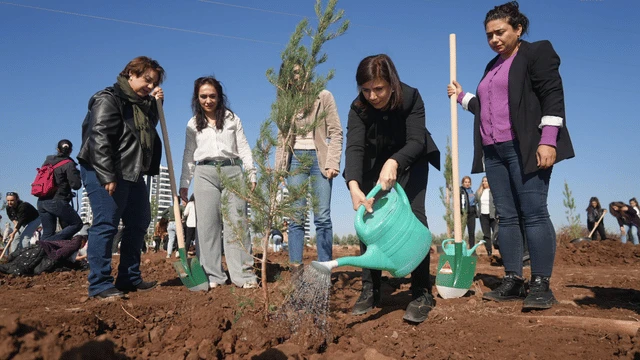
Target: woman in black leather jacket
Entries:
(120, 145)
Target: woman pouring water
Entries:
(387, 142)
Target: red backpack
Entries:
(44, 185)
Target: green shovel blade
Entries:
(455, 273)
(191, 273)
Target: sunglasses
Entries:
(11, 193)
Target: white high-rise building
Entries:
(159, 189)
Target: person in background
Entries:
(216, 146)
(57, 206)
(468, 203)
(189, 216)
(519, 134)
(594, 212)
(120, 145)
(388, 142)
(171, 228)
(627, 217)
(322, 145)
(488, 221)
(160, 233)
(26, 221)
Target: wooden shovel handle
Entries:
(597, 223)
(455, 176)
(172, 177)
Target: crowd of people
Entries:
(519, 133)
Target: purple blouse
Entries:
(495, 119)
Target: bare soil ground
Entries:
(50, 317)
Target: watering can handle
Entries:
(376, 189)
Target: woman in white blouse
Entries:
(488, 221)
(216, 145)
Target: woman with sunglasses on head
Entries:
(216, 146)
(57, 206)
(519, 134)
(120, 145)
(387, 142)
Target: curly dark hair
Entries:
(511, 12)
(222, 105)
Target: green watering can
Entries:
(396, 240)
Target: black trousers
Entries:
(489, 227)
(471, 225)
(414, 183)
(599, 230)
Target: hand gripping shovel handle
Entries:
(172, 176)
(455, 176)
(6, 247)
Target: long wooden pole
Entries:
(455, 176)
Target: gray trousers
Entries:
(209, 192)
(23, 236)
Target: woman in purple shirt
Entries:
(519, 134)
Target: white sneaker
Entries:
(252, 284)
(213, 285)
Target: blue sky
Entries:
(55, 54)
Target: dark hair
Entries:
(618, 213)
(593, 198)
(14, 194)
(511, 12)
(634, 200)
(222, 105)
(379, 67)
(192, 198)
(65, 147)
(140, 65)
(281, 78)
(464, 178)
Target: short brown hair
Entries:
(380, 67)
(140, 65)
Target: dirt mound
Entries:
(50, 317)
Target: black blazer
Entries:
(374, 136)
(535, 91)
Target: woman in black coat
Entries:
(594, 212)
(519, 134)
(387, 141)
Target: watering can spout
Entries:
(372, 258)
(324, 267)
(473, 249)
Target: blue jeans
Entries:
(22, 239)
(520, 199)
(628, 235)
(53, 209)
(321, 190)
(130, 202)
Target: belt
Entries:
(225, 162)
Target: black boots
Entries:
(418, 310)
(368, 299)
(540, 295)
(512, 288)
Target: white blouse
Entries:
(212, 144)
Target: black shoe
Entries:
(540, 295)
(418, 310)
(512, 288)
(143, 286)
(367, 300)
(110, 294)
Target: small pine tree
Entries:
(570, 205)
(280, 129)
